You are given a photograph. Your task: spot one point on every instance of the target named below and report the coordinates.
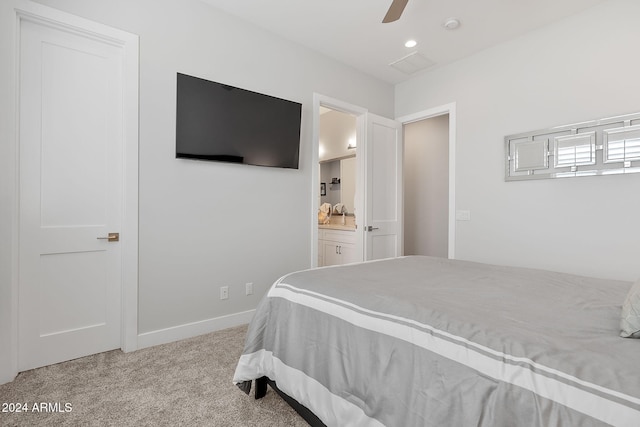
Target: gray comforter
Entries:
(419, 341)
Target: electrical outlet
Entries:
(463, 215)
(248, 287)
(224, 292)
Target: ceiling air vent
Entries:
(413, 62)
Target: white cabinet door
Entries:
(383, 188)
(330, 253)
(348, 254)
(337, 253)
(337, 247)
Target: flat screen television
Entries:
(218, 122)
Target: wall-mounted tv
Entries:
(223, 123)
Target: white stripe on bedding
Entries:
(462, 351)
(331, 409)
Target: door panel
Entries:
(383, 188)
(71, 179)
(382, 159)
(79, 295)
(75, 98)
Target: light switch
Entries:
(463, 215)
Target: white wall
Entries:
(202, 225)
(581, 68)
(348, 184)
(426, 187)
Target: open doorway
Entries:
(378, 203)
(337, 143)
(342, 126)
(426, 186)
(435, 136)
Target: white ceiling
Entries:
(351, 30)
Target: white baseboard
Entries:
(189, 330)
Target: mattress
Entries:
(421, 341)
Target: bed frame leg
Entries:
(261, 387)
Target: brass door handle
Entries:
(112, 237)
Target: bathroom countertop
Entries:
(335, 223)
(337, 227)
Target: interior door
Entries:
(383, 188)
(71, 180)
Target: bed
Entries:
(421, 341)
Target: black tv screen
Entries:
(223, 123)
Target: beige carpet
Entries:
(184, 383)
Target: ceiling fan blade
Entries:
(395, 11)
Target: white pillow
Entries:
(630, 321)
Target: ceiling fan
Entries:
(395, 11)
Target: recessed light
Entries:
(410, 43)
(451, 23)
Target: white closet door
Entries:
(71, 184)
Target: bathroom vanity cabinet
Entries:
(336, 246)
